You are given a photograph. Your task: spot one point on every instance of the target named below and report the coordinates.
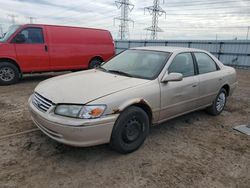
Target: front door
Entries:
(31, 51)
(178, 97)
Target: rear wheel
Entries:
(130, 130)
(219, 103)
(9, 73)
(95, 63)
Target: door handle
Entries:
(195, 85)
(46, 48)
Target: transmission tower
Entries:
(13, 18)
(125, 7)
(156, 11)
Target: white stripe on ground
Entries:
(18, 134)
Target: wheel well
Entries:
(10, 61)
(97, 57)
(227, 88)
(146, 108)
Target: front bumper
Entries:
(70, 131)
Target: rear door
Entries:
(178, 97)
(32, 53)
(68, 47)
(210, 78)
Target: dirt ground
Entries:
(195, 150)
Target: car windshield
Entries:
(144, 64)
(12, 29)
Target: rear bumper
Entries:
(72, 131)
(232, 88)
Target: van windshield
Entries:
(12, 29)
(137, 63)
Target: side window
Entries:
(205, 63)
(182, 63)
(30, 36)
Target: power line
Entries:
(156, 11)
(248, 28)
(216, 14)
(216, 3)
(125, 7)
(202, 3)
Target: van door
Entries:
(68, 48)
(31, 49)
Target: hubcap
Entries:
(95, 64)
(220, 103)
(7, 74)
(132, 130)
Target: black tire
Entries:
(130, 130)
(9, 73)
(95, 63)
(215, 109)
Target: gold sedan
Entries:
(117, 102)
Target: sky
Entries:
(185, 19)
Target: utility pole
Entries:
(31, 19)
(13, 18)
(125, 7)
(1, 31)
(248, 28)
(156, 11)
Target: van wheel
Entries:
(219, 103)
(130, 130)
(94, 63)
(9, 74)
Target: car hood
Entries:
(85, 86)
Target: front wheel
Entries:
(130, 130)
(9, 73)
(219, 103)
(94, 63)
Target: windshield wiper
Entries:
(120, 72)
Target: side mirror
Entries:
(20, 38)
(172, 77)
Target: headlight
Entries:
(80, 111)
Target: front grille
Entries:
(41, 102)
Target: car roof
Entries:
(169, 49)
(63, 26)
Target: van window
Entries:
(205, 63)
(33, 35)
(182, 63)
